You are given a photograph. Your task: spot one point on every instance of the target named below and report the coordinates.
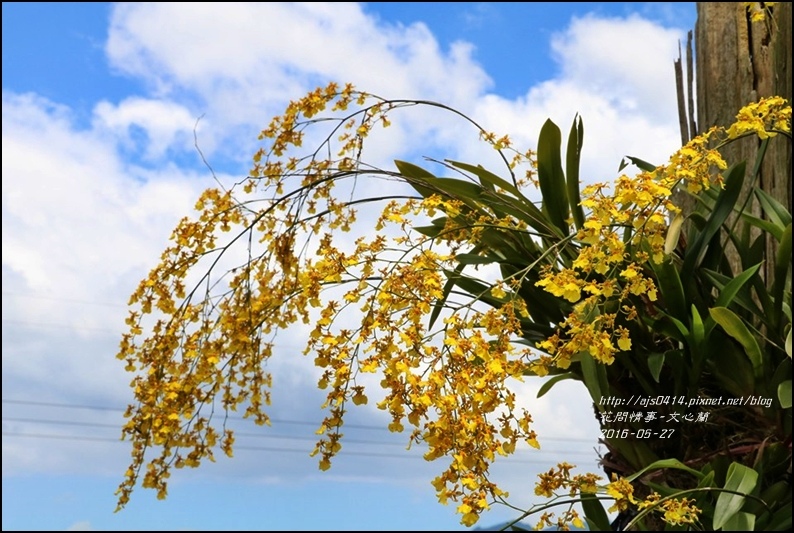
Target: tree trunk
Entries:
(738, 62)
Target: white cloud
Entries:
(627, 61)
(241, 62)
(76, 217)
(265, 46)
(166, 124)
(617, 75)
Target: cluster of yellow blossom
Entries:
(627, 229)
(675, 511)
(208, 337)
(561, 478)
(211, 314)
(764, 118)
(758, 10)
(620, 490)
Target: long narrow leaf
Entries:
(666, 463)
(655, 363)
(782, 266)
(739, 479)
(698, 330)
(594, 513)
(448, 286)
(732, 288)
(773, 209)
(475, 259)
(551, 177)
(637, 162)
(427, 184)
(784, 394)
(740, 522)
(572, 159)
(524, 211)
(720, 281)
(734, 327)
(415, 173)
(487, 177)
(590, 378)
(549, 383)
(764, 225)
(725, 203)
(729, 292)
(671, 288)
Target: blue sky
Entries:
(100, 105)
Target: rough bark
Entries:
(738, 62)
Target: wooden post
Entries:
(738, 62)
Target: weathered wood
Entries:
(686, 98)
(679, 89)
(690, 79)
(739, 62)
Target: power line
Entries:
(346, 440)
(236, 433)
(513, 458)
(58, 326)
(231, 417)
(63, 405)
(60, 299)
(274, 420)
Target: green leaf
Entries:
(439, 304)
(671, 288)
(732, 369)
(489, 178)
(788, 343)
(774, 210)
(777, 493)
(784, 394)
(476, 288)
(781, 519)
(429, 231)
(572, 160)
(724, 206)
(673, 234)
(736, 328)
(637, 162)
(551, 177)
(549, 383)
(427, 184)
(698, 331)
(465, 191)
(720, 281)
(730, 290)
(740, 522)
(680, 326)
(475, 259)
(665, 463)
(525, 211)
(764, 225)
(414, 173)
(708, 478)
(594, 513)
(655, 363)
(740, 479)
(782, 266)
(592, 378)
